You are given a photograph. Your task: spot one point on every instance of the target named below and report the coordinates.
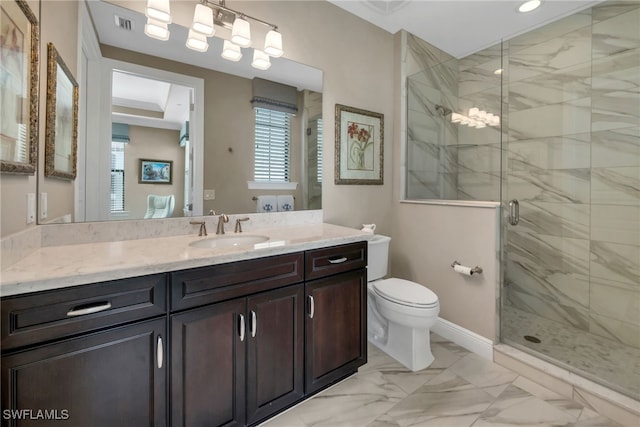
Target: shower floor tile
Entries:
(459, 389)
(602, 360)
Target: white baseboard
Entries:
(473, 342)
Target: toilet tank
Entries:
(378, 257)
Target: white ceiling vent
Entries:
(124, 23)
(385, 7)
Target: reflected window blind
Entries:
(320, 145)
(117, 176)
(272, 140)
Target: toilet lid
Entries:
(406, 293)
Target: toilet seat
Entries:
(405, 292)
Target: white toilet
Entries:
(399, 312)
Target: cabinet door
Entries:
(207, 365)
(112, 378)
(275, 357)
(336, 328)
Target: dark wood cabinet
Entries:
(111, 378)
(336, 328)
(275, 358)
(208, 353)
(237, 362)
(244, 341)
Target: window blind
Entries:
(319, 147)
(272, 140)
(117, 176)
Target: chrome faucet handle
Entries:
(212, 212)
(203, 227)
(238, 228)
(222, 219)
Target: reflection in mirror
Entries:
(61, 139)
(214, 154)
(18, 87)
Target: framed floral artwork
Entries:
(61, 131)
(359, 146)
(19, 52)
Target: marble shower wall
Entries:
(569, 101)
(447, 160)
(573, 162)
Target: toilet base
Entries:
(411, 347)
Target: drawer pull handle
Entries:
(241, 327)
(254, 324)
(312, 307)
(337, 260)
(81, 310)
(160, 353)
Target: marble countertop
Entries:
(57, 267)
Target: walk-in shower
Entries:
(567, 151)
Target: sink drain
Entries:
(532, 339)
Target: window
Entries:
(319, 145)
(117, 176)
(272, 146)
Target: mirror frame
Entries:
(29, 167)
(55, 64)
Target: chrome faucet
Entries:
(239, 225)
(203, 227)
(221, 220)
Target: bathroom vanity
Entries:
(234, 340)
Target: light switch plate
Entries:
(31, 208)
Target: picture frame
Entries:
(61, 130)
(155, 171)
(359, 146)
(19, 65)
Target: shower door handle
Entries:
(514, 212)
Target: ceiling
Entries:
(460, 27)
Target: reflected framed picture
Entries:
(359, 146)
(61, 131)
(19, 53)
(155, 171)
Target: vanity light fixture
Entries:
(156, 29)
(197, 41)
(206, 15)
(158, 10)
(231, 51)
(241, 32)
(476, 118)
(260, 60)
(203, 21)
(529, 5)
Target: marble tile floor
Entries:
(601, 359)
(459, 389)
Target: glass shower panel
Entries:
(572, 264)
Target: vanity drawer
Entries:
(205, 285)
(44, 316)
(336, 259)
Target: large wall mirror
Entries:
(167, 131)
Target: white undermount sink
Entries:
(229, 241)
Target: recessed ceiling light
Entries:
(498, 71)
(528, 6)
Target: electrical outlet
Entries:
(43, 205)
(209, 194)
(31, 208)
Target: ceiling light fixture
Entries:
(206, 16)
(528, 6)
